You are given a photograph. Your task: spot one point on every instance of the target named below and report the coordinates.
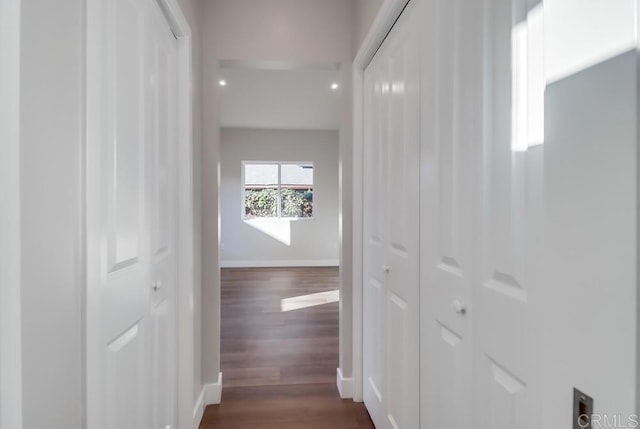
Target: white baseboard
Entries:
(198, 410)
(345, 385)
(213, 392)
(210, 394)
(281, 263)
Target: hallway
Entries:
(472, 166)
(279, 352)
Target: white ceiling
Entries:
(278, 96)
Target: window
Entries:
(281, 189)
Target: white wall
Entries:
(301, 30)
(191, 10)
(51, 91)
(591, 208)
(365, 12)
(310, 241)
(279, 30)
(591, 169)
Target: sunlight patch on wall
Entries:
(528, 81)
(311, 300)
(580, 34)
(276, 228)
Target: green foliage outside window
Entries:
(261, 202)
(297, 203)
(264, 202)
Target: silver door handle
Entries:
(157, 285)
(386, 269)
(459, 307)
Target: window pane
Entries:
(261, 190)
(261, 175)
(297, 190)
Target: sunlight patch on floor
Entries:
(311, 300)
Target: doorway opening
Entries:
(279, 239)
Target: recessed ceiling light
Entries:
(334, 86)
(223, 82)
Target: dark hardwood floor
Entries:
(279, 352)
(263, 345)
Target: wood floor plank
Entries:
(279, 352)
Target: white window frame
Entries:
(279, 164)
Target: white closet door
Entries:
(119, 328)
(508, 364)
(480, 201)
(391, 225)
(375, 235)
(131, 371)
(162, 200)
(452, 138)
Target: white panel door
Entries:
(391, 227)
(481, 223)
(374, 237)
(451, 141)
(508, 360)
(119, 328)
(131, 347)
(162, 211)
